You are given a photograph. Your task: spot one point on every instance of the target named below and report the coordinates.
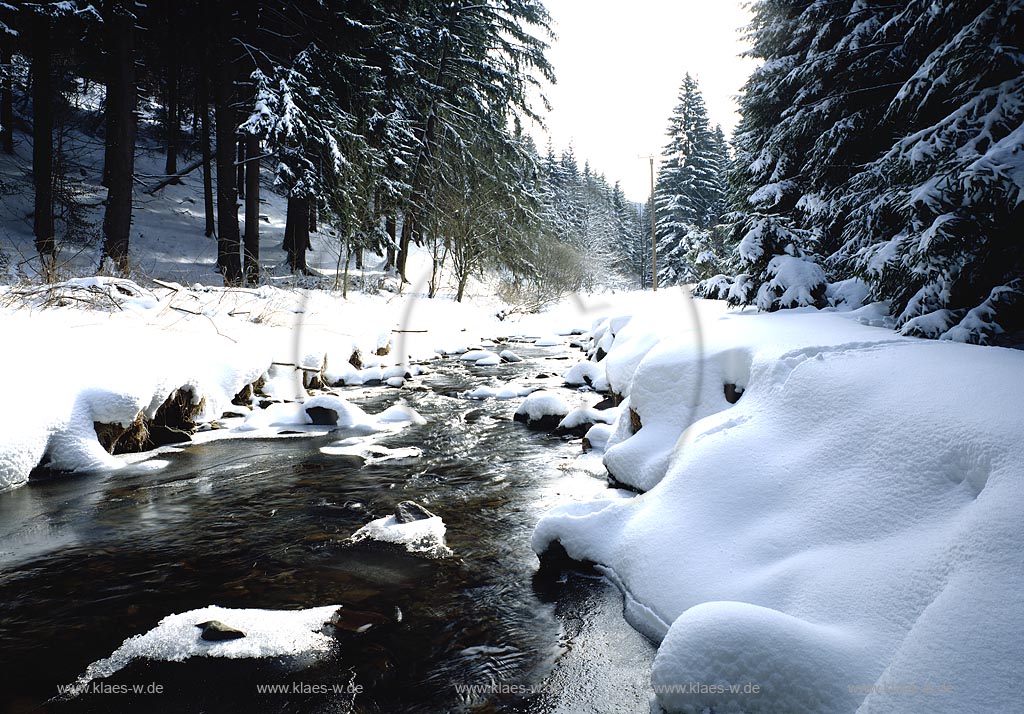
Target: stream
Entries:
(88, 561)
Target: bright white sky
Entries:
(619, 66)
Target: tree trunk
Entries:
(117, 221)
(172, 67)
(203, 110)
(402, 258)
(6, 97)
(312, 216)
(241, 167)
(252, 210)
(109, 129)
(348, 259)
(391, 226)
(228, 236)
(296, 233)
(463, 279)
(42, 142)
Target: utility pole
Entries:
(654, 221)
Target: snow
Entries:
(847, 529)
(268, 633)
(425, 536)
(550, 341)
(503, 393)
(585, 373)
(586, 415)
(477, 355)
(542, 404)
(598, 436)
(370, 453)
(510, 356)
(400, 414)
(72, 367)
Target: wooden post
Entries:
(654, 222)
(654, 242)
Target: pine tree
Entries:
(934, 221)
(690, 191)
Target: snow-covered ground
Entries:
(831, 516)
(830, 512)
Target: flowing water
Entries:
(88, 561)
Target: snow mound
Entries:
(745, 658)
(425, 536)
(400, 414)
(809, 477)
(590, 374)
(550, 341)
(598, 435)
(348, 414)
(579, 421)
(477, 355)
(330, 410)
(268, 633)
(542, 410)
(510, 356)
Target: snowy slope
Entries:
(167, 238)
(845, 536)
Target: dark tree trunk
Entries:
(241, 167)
(6, 97)
(391, 226)
(42, 141)
(402, 259)
(359, 258)
(109, 129)
(296, 233)
(228, 235)
(203, 110)
(173, 69)
(312, 216)
(117, 221)
(252, 210)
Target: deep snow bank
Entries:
(832, 513)
(67, 369)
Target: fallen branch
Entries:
(181, 309)
(294, 366)
(176, 177)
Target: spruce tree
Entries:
(690, 190)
